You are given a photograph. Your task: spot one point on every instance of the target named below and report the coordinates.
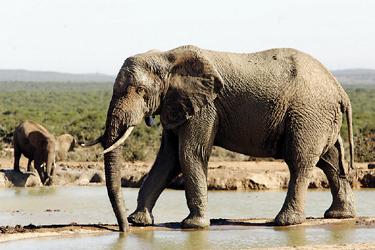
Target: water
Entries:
(62, 205)
(213, 239)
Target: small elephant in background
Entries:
(37, 144)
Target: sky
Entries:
(96, 36)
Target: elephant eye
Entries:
(141, 91)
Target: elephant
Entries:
(37, 144)
(280, 103)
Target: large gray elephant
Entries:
(279, 103)
(37, 144)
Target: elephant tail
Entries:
(349, 122)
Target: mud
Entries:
(32, 231)
(215, 224)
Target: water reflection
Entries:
(329, 234)
(223, 237)
(293, 236)
(43, 191)
(197, 240)
(145, 239)
(162, 240)
(341, 233)
(119, 243)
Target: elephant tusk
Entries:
(119, 141)
(96, 141)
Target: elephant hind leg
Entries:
(293, 208)
(332, 164)
(302, 150)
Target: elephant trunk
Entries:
(91, 143)
(113, 182)
(50, 163)
(114, 129)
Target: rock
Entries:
(11, 178)
(83, 180)
(3, 180)
(132, 180)
(368, 180)
(98, 177)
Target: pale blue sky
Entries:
(81, 36)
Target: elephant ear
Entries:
(193, 83)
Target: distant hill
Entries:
(17, 75)
(350, 77)
(355, 76)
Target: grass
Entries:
(80, 109)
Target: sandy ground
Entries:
(32, 231)
(228, 175)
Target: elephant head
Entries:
(57, 150)
(174, 84)
(46, 151)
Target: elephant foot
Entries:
(340, 213)
(141, 218)
(289, 218)
(195, 222)
(343, 203)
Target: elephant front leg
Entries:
(195, 176)
(17, 156)
(165, 168)
(195, 145)
(38, 165)
(50, 169)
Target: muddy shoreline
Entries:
(253, 222)
(35, 231)
(226, 175)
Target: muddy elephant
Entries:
(279, 103)
(37, 144)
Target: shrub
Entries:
(80, 109)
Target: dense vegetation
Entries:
(80, 109)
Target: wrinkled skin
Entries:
(277, 103)
(38, 145)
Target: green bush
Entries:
(81, 108)
(362, 100)
(365, 145)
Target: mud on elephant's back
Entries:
(11, 178)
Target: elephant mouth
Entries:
(120, 141)
(149, 121)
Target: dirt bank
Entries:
(229, 175)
